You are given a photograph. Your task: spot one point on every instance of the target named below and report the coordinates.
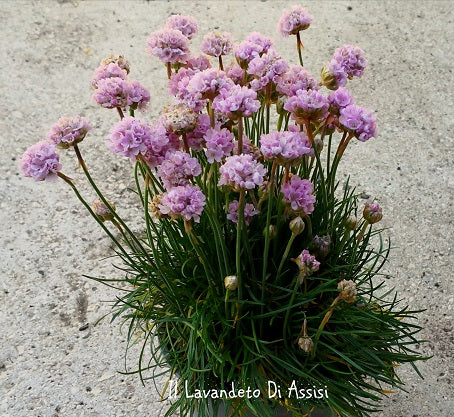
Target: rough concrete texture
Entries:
(49, 49)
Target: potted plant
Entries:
(256, 275)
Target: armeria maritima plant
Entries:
(254, 266)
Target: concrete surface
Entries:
(49, 49)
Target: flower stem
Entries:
(169, 70)
(287, 313)
(120, 112)
(299, 47)
(284, 256)
(240, 135)
(185, 142)
(239, 231)
(221, 66)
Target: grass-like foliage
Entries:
(254, 266)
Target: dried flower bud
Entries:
(101, 210)
(179, 119)
(231, 282)
(372, 213)
(153, 207)
(351, 222)
(305, 343)
(120, 60)
(297, 226)
(348, 291)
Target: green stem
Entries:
(284, 256)
(240, 136)
(287, 313)
(299, 46)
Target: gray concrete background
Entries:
(48, 51)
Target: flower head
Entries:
(68, 131)
(112, 92)
(231, 282)
(187, 25)
(178, 86)
(219, 143)
(294, 20)
(253, 46)
(237, 101)
(249, 212)
(286, 147)
(179, 119)
(129, 136)
(307, 265)
(185, 201)
(208, 84)
(159, 143)
(361, 122)
(294, 79)
(138, 97)
(266, 69)
(264, 42)
(241, 172)
(217, 43)
(169, 45)
(120, 60)
(339, 99)
(109, 70)
(299, 193)
(322, 245)
(178, 168)
(372, 213)
(40, 161)
(102, 211)
(348, 291)
(351, 59)
(196, 138)
(307, 104)
(198, 63)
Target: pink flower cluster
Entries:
(219, 143)
(361, 122)
(286, 147)
(169, 45)
(299, 193)
(129, 137)
(339, 99)
(294, 20)
(348, 62)
(249, 212)
(178, 168)
(294, 79)
(307, 264)
(372, 213)
(186, 201)
(187, 25)
(241, 172)
(307, 105)
(217, 44)
(236, 101)
(266, 69)
(113, 89)
(68, 131)
(253, 46)
(40, 161)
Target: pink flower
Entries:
(294, 20)
(129, 136)
(169, 45)
(307, 104)
(187, 25)
(208, 84)
(237, 102)
(296, 78)
(178, 168)
(307, 265)
(112, 92)
(242, 172)
(219, 143)
(299, 193)
(217, 43)
(196, 139)
(111, 70)
(185, 201)
(138, 97)
(266, 69)
(40, 162)
(249, 212)
(361, 122)
(68, 131)
(286, 147)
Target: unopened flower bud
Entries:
(297, 226)
(102, 211)
(328, 79)
(272, 231)
(231, 282)
(351, 222)
(305, 343)
(372, 213)
(318, 144)
(120, 60)
(321, 245)
(348, 291)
